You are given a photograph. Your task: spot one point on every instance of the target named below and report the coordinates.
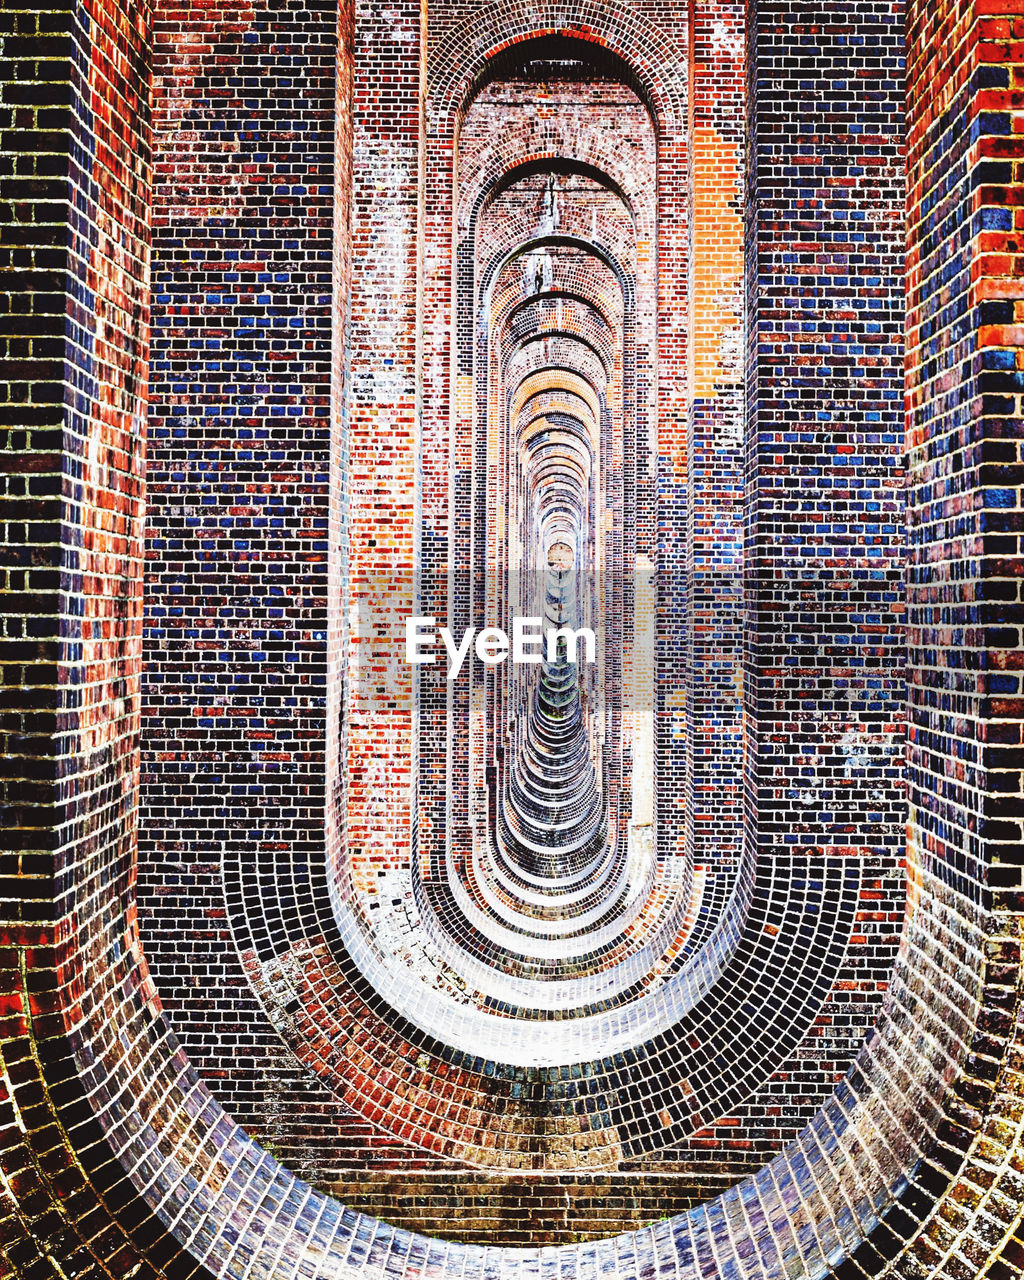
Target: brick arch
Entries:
(507, 169)
(578, 324)
(509, 164)
(588, 361)
(604, 253)
(950, 934)
(506, 156)
(682, 1248)
(576, 298)
(460, 57)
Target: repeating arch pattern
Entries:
(590, 986)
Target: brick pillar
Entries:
(965, 340)
(824, 555)
(965, 426)
(75, 249)
(714, 513)
(243, 473)
(382, 350)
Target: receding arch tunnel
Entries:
(691, 950)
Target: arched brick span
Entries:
(150, 1002)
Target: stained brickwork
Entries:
(701, 538)
(963, 598)
(76, 190)
(824, 555)
(685, 946)
(238, 509)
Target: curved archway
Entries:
(854, 1191)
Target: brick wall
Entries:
(279, 472)
(75, 336)
(250, 896)
(963, 597)
(824, 554)
(238, 514)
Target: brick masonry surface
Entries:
(700, 322)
